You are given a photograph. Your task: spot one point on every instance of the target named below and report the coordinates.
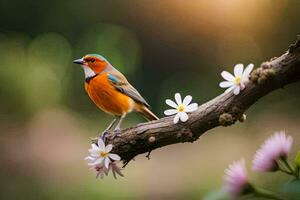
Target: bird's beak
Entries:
(79, 61)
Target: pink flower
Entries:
(236, 179)
(116, 170)
(274, 148)
(101, 170)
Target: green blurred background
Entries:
(163, 47)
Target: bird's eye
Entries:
(92, 60)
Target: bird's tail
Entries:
(147, 113)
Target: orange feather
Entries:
(106, 97)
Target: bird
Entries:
(111, 92)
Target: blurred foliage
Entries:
(162, 47)
(291, 189)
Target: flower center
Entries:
(238, 80)
(180, 108)
(103, 153)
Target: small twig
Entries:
(148, 154)
(125, 163)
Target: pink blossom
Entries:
(116, 170)
(236, 178)
(101, 170)
(275, 147)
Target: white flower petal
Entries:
(227, 76)
(94, 152)
(225, 84)
(248, 70)
(106, 162)
(114, 156)
(171, 103)
(178, 98)
(236, 90)
(170, 111)
(108, 148)
(191, 108)
(183, 117)
(242, 85)
(229, 89)
(187, 100)
(245, 80)
(94, 149)
(176, 118)
(89, 158)
(91, 164)
(101, 144)
(97, 162)
(238, 70)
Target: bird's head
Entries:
(92, 64)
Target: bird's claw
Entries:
(104, 135)
(116, 133)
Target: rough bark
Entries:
(223, 110)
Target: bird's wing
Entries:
(122, 85)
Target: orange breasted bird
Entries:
(111, 92)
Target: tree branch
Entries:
(223, 110)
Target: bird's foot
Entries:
(104, 135)
(116, 133)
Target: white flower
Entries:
(99, 155)
(180, 108)
(238, 81)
